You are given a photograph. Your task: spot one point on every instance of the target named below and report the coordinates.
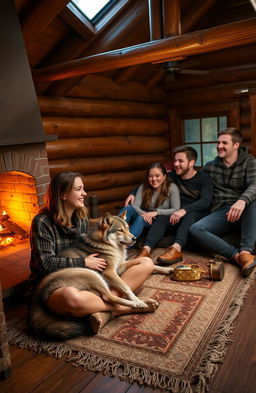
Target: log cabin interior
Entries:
(105, 96)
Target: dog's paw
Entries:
(152, 304)
(140, 304)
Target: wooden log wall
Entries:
(197, 99)
(110, 142)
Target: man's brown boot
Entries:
(171, 256)
(247, 263)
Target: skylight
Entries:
(93, 9)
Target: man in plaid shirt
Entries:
(233, 173)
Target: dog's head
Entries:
(116, 230)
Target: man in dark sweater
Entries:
(234, 202)
(196, 191)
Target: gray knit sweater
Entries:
(169, 206)
(235, 182)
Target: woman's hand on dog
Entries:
(95, 263)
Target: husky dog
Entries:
(110, 241)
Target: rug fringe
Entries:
(217, 348)
(214, 354)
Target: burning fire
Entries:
(5, 240)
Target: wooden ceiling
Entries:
(53, 36)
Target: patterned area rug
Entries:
(177, 348)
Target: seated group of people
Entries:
(203, 204)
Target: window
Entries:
(94, 9)
(202, 135)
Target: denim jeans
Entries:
(209, 230)
(137, 223)
(161, 227)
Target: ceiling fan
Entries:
(173, 68)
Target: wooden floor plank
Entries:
(62, 380)
(238, 373)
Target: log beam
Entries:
(39, 16)
(125, 73)
(70, 127)
(219, 93)
(111, 146)
(98, 108)
(171, 18)
(242, 72)
(107, 39)
(208, 40)
(106, 164)
(195, 14)
(154, 79)
(99, 181)
(155, 19)
(113, 194)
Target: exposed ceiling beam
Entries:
(155, 78)
(171, 18)
(195, 14)
(129, 17)
(125, 73)
(155, 19)
(208, 40)
(39, 16)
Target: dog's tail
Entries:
(49, 326)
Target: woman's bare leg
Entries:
(71, 301)
(137, 272)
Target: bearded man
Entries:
(196, 190)
(233, 173)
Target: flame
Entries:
(5, 241)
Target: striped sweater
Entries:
(235, 182)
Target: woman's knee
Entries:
(65, 299)
(146, 263)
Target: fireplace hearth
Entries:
(24, 178)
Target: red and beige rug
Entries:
(177, 348)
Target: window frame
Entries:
(201, 142)
(100, 14)
(178, 114)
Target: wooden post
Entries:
(171, 18)
(155, 25)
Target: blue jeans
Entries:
(161, 227)
(137, 222)
(209, 230)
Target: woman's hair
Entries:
(60, 184)
(148, 190)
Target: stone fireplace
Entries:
(24, 178)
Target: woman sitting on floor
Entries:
(59, 223)
(156, 196)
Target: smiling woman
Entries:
(156, 196)
(59, 224)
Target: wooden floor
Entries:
(37, 373)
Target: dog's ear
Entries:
(107, 220)
(123, 215)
